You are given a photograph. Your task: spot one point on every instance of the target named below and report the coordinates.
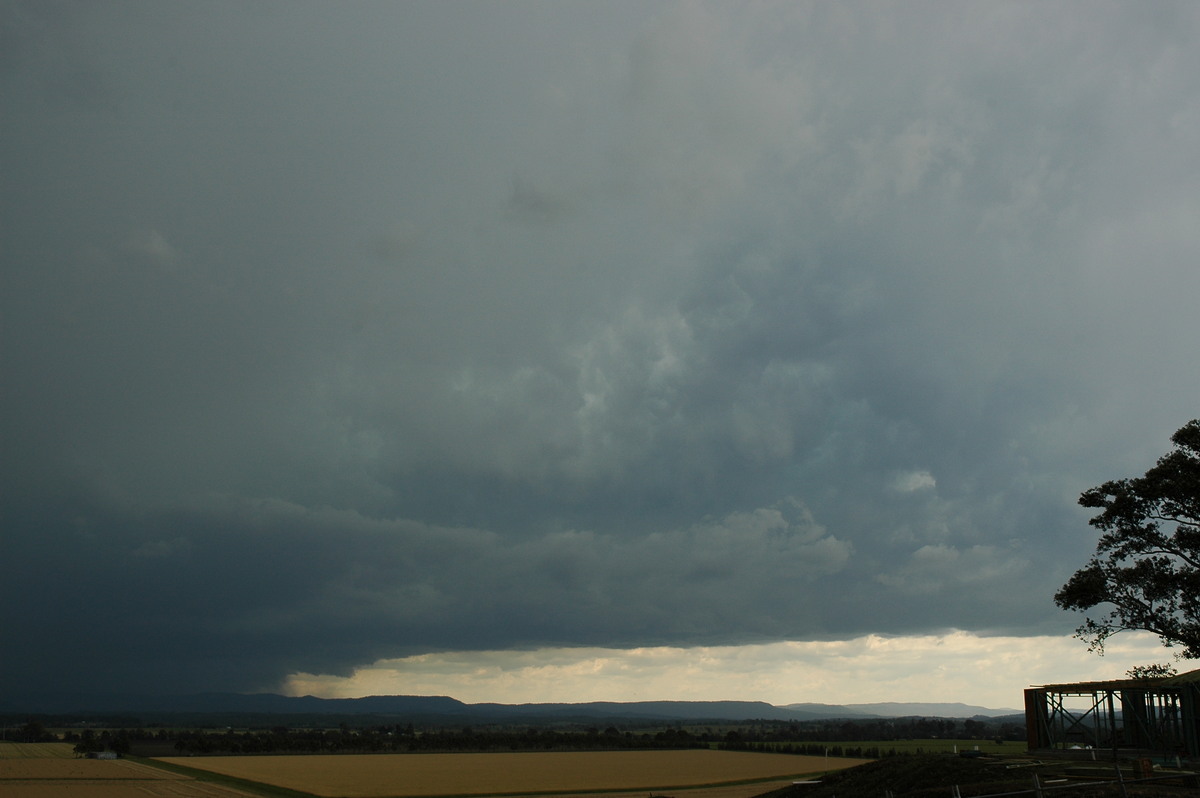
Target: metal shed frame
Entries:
(1143, 717)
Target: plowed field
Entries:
(50, 770)
(37, 751)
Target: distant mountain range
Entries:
(893, 709)
(443, 709)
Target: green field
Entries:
(925, 746)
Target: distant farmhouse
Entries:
(1127, 717)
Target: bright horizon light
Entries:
(956, 667)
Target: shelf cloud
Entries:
(336, 334)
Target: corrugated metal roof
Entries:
(1191, 677)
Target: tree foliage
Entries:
(1146, 570)
(1154, 671)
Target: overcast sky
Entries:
(612, 349)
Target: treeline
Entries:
(89, 741)
(32, 731)
(860, 729)
(397, 739)
(814, 738)
(817, 749)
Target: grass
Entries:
(934, 776)
(925, 746)
(944, 746)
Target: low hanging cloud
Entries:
(424, 329)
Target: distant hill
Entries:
(443, 709)
(654, 710)
(892, 709)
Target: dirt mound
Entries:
(909, 775)
(929, 775)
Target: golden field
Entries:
(562, 773)
(49, 770)
(10, 750)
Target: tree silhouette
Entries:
(1146, 570)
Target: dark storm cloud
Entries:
(337, 332)
(202, 596)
